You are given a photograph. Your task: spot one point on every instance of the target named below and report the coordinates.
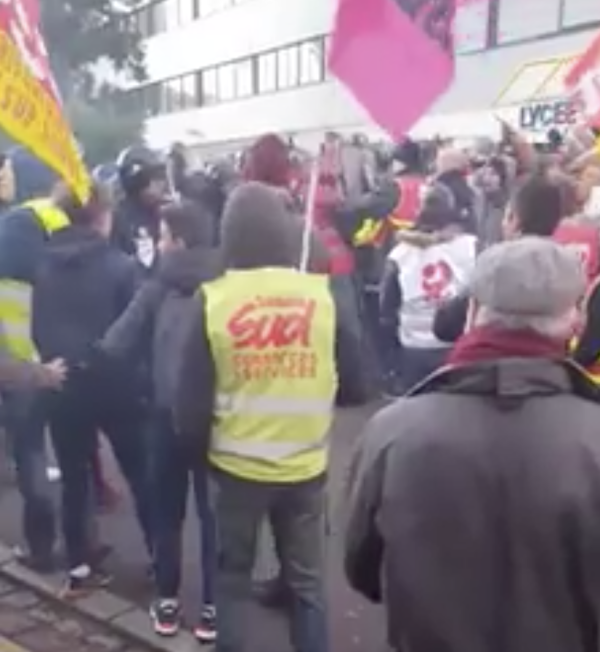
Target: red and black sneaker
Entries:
(206, 630)
(166, 617)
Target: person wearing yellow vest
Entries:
(24, 231)
(265, 356)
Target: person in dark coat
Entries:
(473, 511)
(152, 327)
(143, 179)
(83, 286)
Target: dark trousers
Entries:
(74, 427)
(297, 516)
(25, 423)
(416, 364)
(171, 473)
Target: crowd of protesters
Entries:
(206, 323)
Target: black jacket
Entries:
(151, 328)
(133, 225)
(83, 285)
(451, 319)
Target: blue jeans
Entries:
(297, 516)
(25, 422)
(171, 472)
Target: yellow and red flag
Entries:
(30, 106)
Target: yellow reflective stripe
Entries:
(269, 405)
(272, 451)
(50, 216)
(368, 232)
(14, 330)
(15, 315)
(16, 293)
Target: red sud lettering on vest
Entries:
(436, 280)
(272, 338)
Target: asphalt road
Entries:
(355, 625)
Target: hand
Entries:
(57, 373)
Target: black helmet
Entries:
(138, 166)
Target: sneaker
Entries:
(53, 474)
(82, 581)
(166, 617)
(206, 630)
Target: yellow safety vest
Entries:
(369, 233)
(272, 337)
(15, 296)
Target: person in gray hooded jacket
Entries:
(157, 315)
(474, 501)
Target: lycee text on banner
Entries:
(272, 339)
(395, 56)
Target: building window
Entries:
(151, 96)
(226, 82)
(189, 91)
(210, 87)
(288, 67)
(580, 12)
(209, 7)
(170, 95)
(520, 20)
(187, 11)
(312, 62)
(267, 72)
(244, 78)
(293, 66)
(471, 27)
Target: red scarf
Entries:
(491, 343)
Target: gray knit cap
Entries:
(529, 277)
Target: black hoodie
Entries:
(152, 326)
(83, 286)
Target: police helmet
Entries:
(107, 173)
(138, 166)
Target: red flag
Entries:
(30, 107)
(583, 81)
(395, 56)
(21, 20)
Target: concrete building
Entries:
(225, 71)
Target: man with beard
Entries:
(143, 178)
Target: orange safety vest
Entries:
(409, 202)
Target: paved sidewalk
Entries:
(29, 623)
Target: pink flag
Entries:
(395, 56)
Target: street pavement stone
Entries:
(104, 605)
(32, 623)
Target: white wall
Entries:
(463, 111)
(253, 26)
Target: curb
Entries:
(122, 617)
